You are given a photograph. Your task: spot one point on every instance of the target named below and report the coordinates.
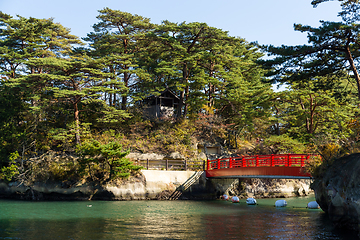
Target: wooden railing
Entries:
(172, 164)
(285, 160)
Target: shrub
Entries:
(110, 157)
(8, 172)
(281, 144)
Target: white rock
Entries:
(225, 197)
(280, 203)
(251, 201)
(176, 155)
(313, 205)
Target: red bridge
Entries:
(260, 166)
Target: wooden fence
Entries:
(172, 164)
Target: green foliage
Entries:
(281, 145)
(247, 102)
(63, 138)
(54, 96)
(118, 41)
(350, 9)
(304, 113)
(61, 88)
(161, 137)
(201, 64)
(332, 46)
(63, 171)
(111, 155)
(314, 165)
(12, 170)
(49, 167)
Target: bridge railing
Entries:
(273, 160)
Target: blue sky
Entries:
(264, 21)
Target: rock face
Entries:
(263, 188)
(338, 192)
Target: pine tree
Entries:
(23, 40)
(307, 114)
(332, 51)
(117, 40)
(77, 81)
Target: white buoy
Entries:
(251, 201)
(313, 205)
(280, 203)
(225, 197)
(235, 199)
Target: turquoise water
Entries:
(165, 220)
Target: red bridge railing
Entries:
(284, 160)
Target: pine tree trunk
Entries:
(124, 98)
(77, 124)
(179, 114)
(186, 101)
(180, 106)
(353, 69)
(211, 86)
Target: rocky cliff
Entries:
(337, 191)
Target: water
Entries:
(165, 220)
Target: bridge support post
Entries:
(230, 162)
(307, 158)
(272, 160)
(302, 161)
(287, 163)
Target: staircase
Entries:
(183, 187)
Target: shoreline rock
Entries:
(337, 192)
(264, 188)
(159, 185)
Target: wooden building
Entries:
(162, 106)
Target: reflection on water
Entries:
(164, 220)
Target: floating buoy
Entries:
(235, 199)
(280, 203)
(313, 205)
(225, 197)
(251, 201)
